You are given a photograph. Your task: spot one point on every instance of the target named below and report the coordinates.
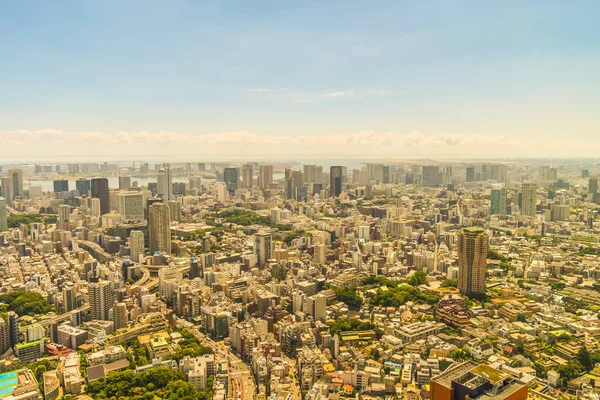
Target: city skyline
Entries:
(288, 80)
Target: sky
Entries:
(251, 80)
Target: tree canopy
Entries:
(26, 303)
(159, 382)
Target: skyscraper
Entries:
(124, 182)
(83, 186)
(230, 176)
(6, 190)
(64, 216)
(136, 245)
(472, 247)
(3, 215)
(101, 297)
(69, 295)
(335, 180)
(160, 228)
(263, 247)
(164, 180)
(15, 175)
(498, 201)
(265, 175)
(100, 191)
(431, 175)
(131, 205)
(247, 176)
(593, 189)
(13, 328)
(60, 185)
(528, 198)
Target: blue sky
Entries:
(262, 78)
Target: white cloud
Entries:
(343, 93)
(64, 145)
(259, 90)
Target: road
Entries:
(58, 318)
(296, 392)
(239, 373)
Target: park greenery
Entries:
(155, 383)
(349, 296)
(26, 303)
(351, 325)
(396, 293)
(190, 346)
(244, 218)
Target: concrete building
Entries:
(472, 247)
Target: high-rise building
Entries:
(131, 205)
(335, 180)
(593, 188)
(64, 217)
(470, 174)
(101, 191)
(136, 245)
(15, 175)
(431, 175)
(263, 247)
(528, 198)
(498, 201)
(230, 176)
(120, 315)
(265, 175)
(317, 306)
(60, 185)
(69, 295)
(6, 190)
(248, 176)
(3, 215)
(4, 336)
(160, 228)
(13, 328)
(102, 298)
(124, 182)
(472, 247)
(83, 186)
(164, 180)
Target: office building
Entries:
(60, 185)
(230, 177)
(136, 245)
(83, 186)
(593, 188)
(15, 176)
(64, 217)
(164, 186)
(101, 297)
(335, 180)
(263, 247)
(265, 176)
(431, 175)
(470, 380)
(3, 215)
(100, 190)
(247, 176)
(124, 182)
(4, 336)
(528, 198)
(130, 205)
(160, 228)
(472, 248)
(498, 201)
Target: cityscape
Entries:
(443, 281)
(299, 200)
